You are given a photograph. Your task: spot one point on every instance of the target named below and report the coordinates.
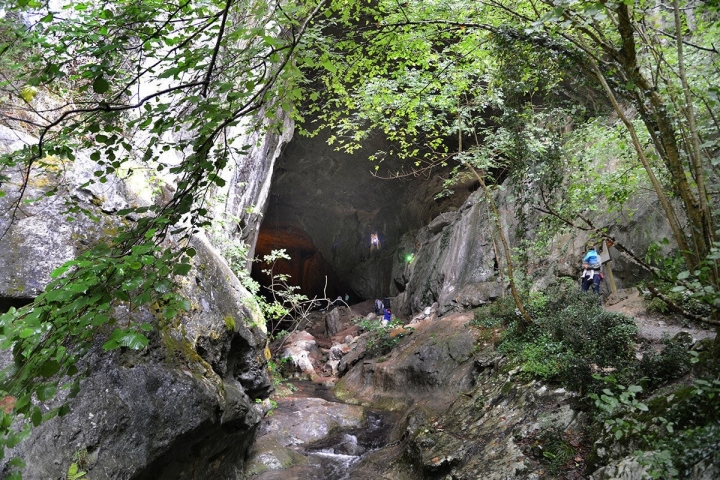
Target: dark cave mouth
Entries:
(6, 303)
(307, 268)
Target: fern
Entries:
(74, 472)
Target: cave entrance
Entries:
(7, 302)
(307, 267)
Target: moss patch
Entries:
(229, 323)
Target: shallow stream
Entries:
(328, 437)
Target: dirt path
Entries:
(652, 326)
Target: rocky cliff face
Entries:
(182, 408)
(187, 405)
(241, 204)
(454, 259)
(40, 234)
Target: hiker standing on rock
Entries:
(591, 274)
(378, 306)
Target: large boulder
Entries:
(185, 407)
(431, 366)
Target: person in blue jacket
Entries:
(591, 271)
(387, 315)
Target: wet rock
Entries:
(299, 422)
(432, 363)
(302, 352)
(357, 353)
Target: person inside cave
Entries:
(374, 241)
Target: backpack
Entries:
(592, 260)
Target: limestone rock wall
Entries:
(183, 408)
(243, 201)
(39, 234)
(453, 259)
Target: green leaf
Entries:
(126, 338)
(22, 402)
(59, 271)
(36, 417)
(46, 391)
(100, 85)
(182, 268)
(49, 368)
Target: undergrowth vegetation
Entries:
(571, 338)
(660, 406)
(383, 336)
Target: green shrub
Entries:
(673, 362)
(502, 311)
(572, 337)
(542, 357)
(382, 338)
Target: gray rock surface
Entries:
(433, 364)
(297, 422)
(301, 352)
(40, 233)
(183, 408)
(454, 260)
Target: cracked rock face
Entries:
(183, 408)
(37, 236)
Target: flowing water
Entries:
(333, 456)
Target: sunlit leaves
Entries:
(148, 87)
(126, 338)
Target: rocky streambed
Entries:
(310, 434)
(443, 403)
(438, 404)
